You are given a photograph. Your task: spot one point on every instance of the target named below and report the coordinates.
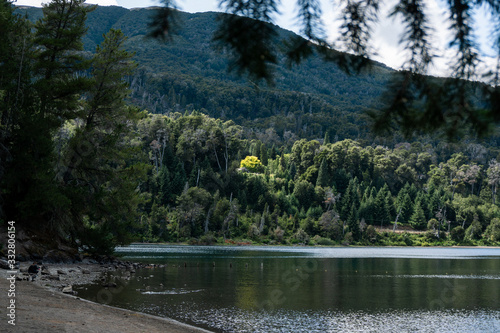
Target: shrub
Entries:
(253, 232)
(207, 239)
(348, 239)
(430, 236)
(370, 234)
(278, 234)
(433, 224)
(301, 236)
(493, 230)
(457, 234)
(473, 231)
(406, 237)
(323, 241)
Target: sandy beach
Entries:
(40, 306)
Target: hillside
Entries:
(85, 166)
(188, 73)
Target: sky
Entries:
(386, 33)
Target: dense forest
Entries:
(82, 157)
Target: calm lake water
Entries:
(301, 289)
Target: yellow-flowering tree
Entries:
(252, 164)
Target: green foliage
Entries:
(457, 234)
(417, 219)
(100, 172)
(301, 236)
(492, 232)
(97, 240)
(370, 234)
(252, 164)
(473, 232)
(323, 241)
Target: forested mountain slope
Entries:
(219, 157)
(189, 73)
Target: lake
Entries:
(305, 289)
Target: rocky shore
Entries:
(49, 304)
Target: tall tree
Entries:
(323, 174)
(103, 170)
(51, 97)
(417, 219)
(15, 98)
(493, 173)
(59, 64)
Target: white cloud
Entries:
(388, 31)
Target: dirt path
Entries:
(40, 309)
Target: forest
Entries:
(82, 160)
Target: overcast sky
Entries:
(386, 34)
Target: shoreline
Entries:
(323, 246)
(41, 306)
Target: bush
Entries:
(207, 239)
(253, 232)
(406, 237)
(457, 234)
(185, 231)
(433, 224)
(430, 236)
(492, 232)
(473, 231)
(301, 236)
(348, 239)
(370, 234)
(323, 241)
(278, 234)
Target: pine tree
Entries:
(353, 224)
(349, 199)
(51, 95)
(417, 219)
(404, 204)
(382, 209)
(263, 154)
(106, 175)
(326, 140)
(323, 174)
(59, 39)
(16, 105)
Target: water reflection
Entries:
(306, 290)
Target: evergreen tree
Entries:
(58, 62)
(326, 140)
(164, 184)
(323, 176)
(51, 97)
(353, 224)
(417, 219)
(263, 154)
(349, 199)
(106, 175)
(404, 205)
(17, 103)
(382, 210)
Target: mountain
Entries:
(188, 73)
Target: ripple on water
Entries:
(440, 276)
(171, 292)
(237, 320)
